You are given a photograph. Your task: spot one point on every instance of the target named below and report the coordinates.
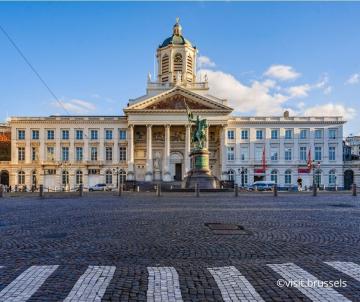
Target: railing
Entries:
(159, 85)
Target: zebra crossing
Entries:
(164, 283)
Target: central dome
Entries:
(177, 37)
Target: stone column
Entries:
(166, 170)
(187, 148)
(130, 147)
(149, 159)
(207, 138)
(223, 148)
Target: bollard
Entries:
(81, 190)
(137, 188)
(236, 190)
(354, 193)
(275, 190)
(314, 190)
(1, 191)
(158, 190)
(197, 190)
(41, 190)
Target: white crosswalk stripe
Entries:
(26, 284)
(292, 272)
(92, 285)
(163, 285)
(349, 268)
(233, 285)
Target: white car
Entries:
(100, 187)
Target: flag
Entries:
(264, 160)
(309, 165)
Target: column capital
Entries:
(188, 125)
(131, 126)
(167, 126)
(149, 125)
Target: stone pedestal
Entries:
(157, 175)
(200, 172)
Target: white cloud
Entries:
(205, 62)
(354, 79)
(331, 109)
(282, 72)
(299, 91)
(259, 97)
(76, 106)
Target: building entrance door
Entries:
(178, 172)
(4, 178)
(348, 179)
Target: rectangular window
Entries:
(303, 153)
(318, 154)
(79, 154)
(50, 154)
(79, 134)
(65, 153)
(319, 133)
(65, 134)
(33, 154)
(21, 134)
(35, 134)
(244, 134)
(288, 153)
(122, 134)
(108, 134)
(93, 153)
(94, 134)
(231, 134)
(244, 153)
(230, 153)
(274, 154)
(332, 153)
(259, 134)
(288, 134)
(122, 153)
(274, 134)
(303, 134)
(258, 153)
(21, 154)
(332, 133)
(108, 153)
(50, 134)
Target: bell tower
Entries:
(176, 59)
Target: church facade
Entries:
(152, 140)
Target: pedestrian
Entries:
(299, 182)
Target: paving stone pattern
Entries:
(139, 247)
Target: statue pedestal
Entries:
(200, 172)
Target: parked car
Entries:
(100, 187)
(264, 185)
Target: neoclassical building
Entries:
(152, 140)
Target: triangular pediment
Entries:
(177, 99)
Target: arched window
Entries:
(21, 177)
(165, 64)
(231, 175)
(332, 178)
(65, 177)
(79, 177)
(108, 177)
(274, 176)
(122, 175)
(178, 62)
(288, 177)
(318, 178)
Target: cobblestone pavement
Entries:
(140, 247)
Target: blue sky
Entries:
(263, 57)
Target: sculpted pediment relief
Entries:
(176, 102)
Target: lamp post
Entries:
(314, 182)
(242, 171)
(116, 172)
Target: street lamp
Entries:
(117, 173)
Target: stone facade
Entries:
(152, 141)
